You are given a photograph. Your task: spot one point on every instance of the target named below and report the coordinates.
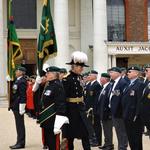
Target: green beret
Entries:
(106, 75)
(85, 74)
(93, 72)
(52, 69)
(123, 69)
(63, 70)
(134, 68)
(147, 66)
(116, 69)
(23, 69)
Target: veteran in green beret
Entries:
(130, 104)
(145, 101)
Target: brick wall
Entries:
(136, 20)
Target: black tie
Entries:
(111, 87)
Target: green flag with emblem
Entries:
(14, 49)
(47, 46)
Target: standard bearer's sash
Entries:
(46, 113)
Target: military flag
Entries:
(14, 49)
(47, 45)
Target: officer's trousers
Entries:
(20, 128)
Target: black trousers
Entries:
(98, 128)
(85, 143)
(134, 133)
(20, 128)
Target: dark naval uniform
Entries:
(73, 85)
(53, 94)
(19, 97)
(145, 106)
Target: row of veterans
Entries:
(122, 102)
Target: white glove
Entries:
(38, 79)
(22, 108)
(59, 121)
(8, 78)
(35, 87)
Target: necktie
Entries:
(111, 87)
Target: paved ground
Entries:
(33, 133)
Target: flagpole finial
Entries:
(45, 2)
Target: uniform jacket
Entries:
(53, 93)
(18, 93)
(116, 109)
(103, 101)
(145, 105)
(73, 85)
(131, 100)
(92, 93)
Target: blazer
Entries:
(102, 106)
(131, 99)
(115, 101)
(92, 94)
(145, 105)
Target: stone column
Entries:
(62, 32)
(3, 51)
(87, 30)
(100, 56)
(109, 61)
(113, 61)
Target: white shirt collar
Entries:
(19, 78)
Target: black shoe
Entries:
(147, 133)
(110, 147)
(17, 146)
(45, 147)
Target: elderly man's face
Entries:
(114, 75)
(132, 74)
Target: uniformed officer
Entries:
(145, 101)
(53, 105)
(130, 104)
(18, 106)
(73, 85)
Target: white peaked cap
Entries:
(78, 58)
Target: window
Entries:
(115, 20)
(24, 12)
